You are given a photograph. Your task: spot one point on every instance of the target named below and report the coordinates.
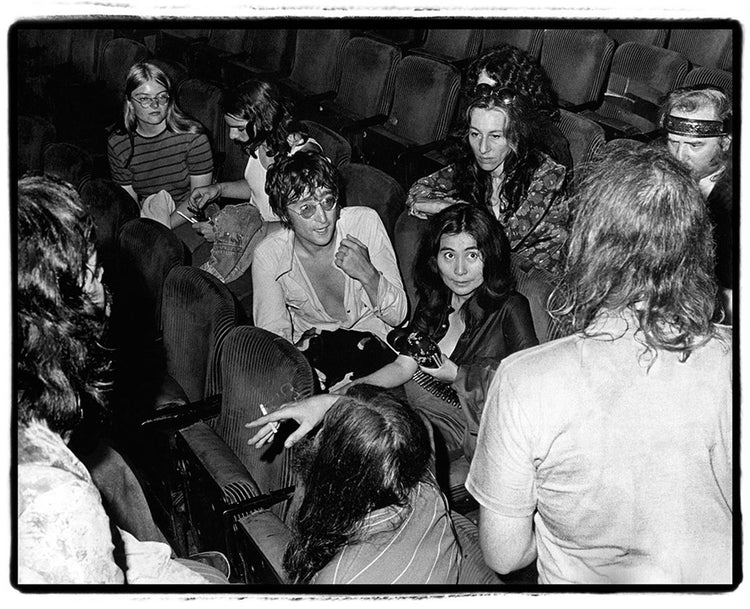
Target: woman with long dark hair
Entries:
(501, 169)
(260, 122)
(157, 147)
(366, 486)
(468, 318)
(509, 67)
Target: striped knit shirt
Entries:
(162, 162)
(411, 544)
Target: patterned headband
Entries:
(695, 127)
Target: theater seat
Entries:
(371, 187)
(585, 137)
(335, 146)
(710, 76)
(640, 77)
(424, 102)
(365, 91)
(318, 59)
(529, 40)
(227, 478)
(577, 63)
(710, 48)
(33, 134)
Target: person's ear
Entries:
(726, 141)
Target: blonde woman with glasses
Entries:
(158, 154)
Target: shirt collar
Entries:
(286, 257)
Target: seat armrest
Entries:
(268, 536)
(261, 502)
(175, 416)
(575, 108)
(423, 148)
(362, 124)
(205, 447)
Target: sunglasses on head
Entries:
(504, 95)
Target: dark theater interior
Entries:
(194, 355)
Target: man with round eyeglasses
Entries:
(332, 268)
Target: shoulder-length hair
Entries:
(370, 453)
(492, 243)
(473, 184)
(59, 359)
(641, 240)
(177, 122)
(268, 119)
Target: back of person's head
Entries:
(141, 73)
(492, 243)
(269, 121)
(301, 174)
(369, 453)
(59, 361)
(640, 239)
(514, 69)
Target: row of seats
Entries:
(202, 374)
(393, 101)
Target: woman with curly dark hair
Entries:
(501, 170)
(510, 67)
(468, 309)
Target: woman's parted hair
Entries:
(59, 358)
(370, 453)
(177, 122)
(473, 184)
(492, 243)
(290, 177)
(268, 118)
(641, 239)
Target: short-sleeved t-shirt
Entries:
(625, 462)
(162, 162)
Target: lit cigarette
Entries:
(274, 425)
(191, 220)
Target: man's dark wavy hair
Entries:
(493, 244)
(290, 177)
(473, 184)
(268, 118)
(370, 453)
(59, 359)
(641, 239)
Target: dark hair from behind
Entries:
(269, 120)
(641, 239)
(370, 453)
(513, 68)
(289, 178)
(492, 243)
(59, 359)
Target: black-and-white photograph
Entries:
(373, 304)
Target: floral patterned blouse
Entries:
(536, 230)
